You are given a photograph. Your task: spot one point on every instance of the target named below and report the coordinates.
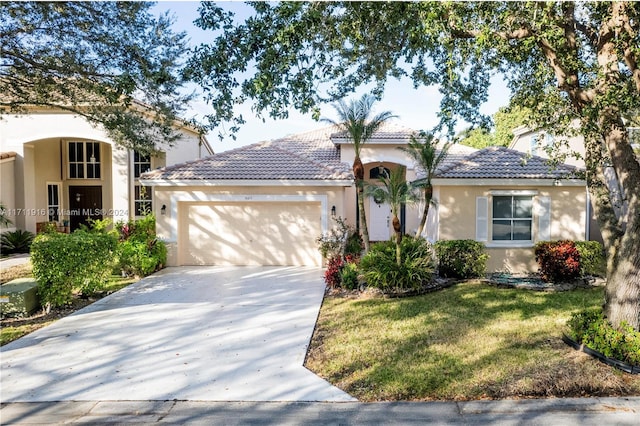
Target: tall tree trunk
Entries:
(363, 219)
(622, 294)
(358, 173)
(428, 196)
(398, 230)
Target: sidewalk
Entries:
(15, 260)
(571, 411)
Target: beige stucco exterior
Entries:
(41, 139)
(276, 223)
(457, 211)
(7, 191)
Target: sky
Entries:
(415, 108)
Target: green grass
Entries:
(14, 328)
(466, 342)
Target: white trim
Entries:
(482, 218)
(530, 192)
(199, 196)
(8, 159)
(246, 182)
(509, 244)
(542, 209)
(508, 182)
(60, 199)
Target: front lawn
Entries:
(470, 341)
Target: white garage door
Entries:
(256, 233)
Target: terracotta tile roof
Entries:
(5, 155)
(306, 156)
(504, 163)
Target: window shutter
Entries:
(482, 218)
(544, 218)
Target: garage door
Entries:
(256, 233)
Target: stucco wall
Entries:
(171, 226)
(39, 140)
(7, 190)
(457, 210)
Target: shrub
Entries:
(592, 329)
(18, 241)
(66, 263)
(332, 276)
(349, 276)
(592, 258)
(140, 253)
(461, 259)
(558, 260)
(380, 269)
(340, 241)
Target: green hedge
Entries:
(592, 258)
(67, 263)
(592, 329)
(461, 258)
(140, 253)
(380, 269)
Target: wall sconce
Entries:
(333, 211)
(163, 210)
(78, 196)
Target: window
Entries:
(142, 200)
(512, 218)
(141, 163)
(84, 160)
(53, 202)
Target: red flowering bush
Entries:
(558, 260)
(332, 275)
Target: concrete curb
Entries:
(570, 411)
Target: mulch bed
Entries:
(534, 282)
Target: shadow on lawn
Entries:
(467, 342)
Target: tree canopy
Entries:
(111, 62)
(566, 61)
(504, 121)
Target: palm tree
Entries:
(395, 191)
(355, 121)
(424, 151)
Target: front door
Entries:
(85, 203)
(379, 221)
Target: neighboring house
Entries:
(60, 168)
(267, 203)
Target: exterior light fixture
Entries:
(163, 210)
(78, 196)
(333, 211)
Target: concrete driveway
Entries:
(189, 333)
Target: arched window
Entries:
(379, 171)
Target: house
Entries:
(509, 201)
(58, 167)
(267, 203)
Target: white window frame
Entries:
(149, 199)
(86, 162)
(59, 205)
(488, 219)
(140, 163)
